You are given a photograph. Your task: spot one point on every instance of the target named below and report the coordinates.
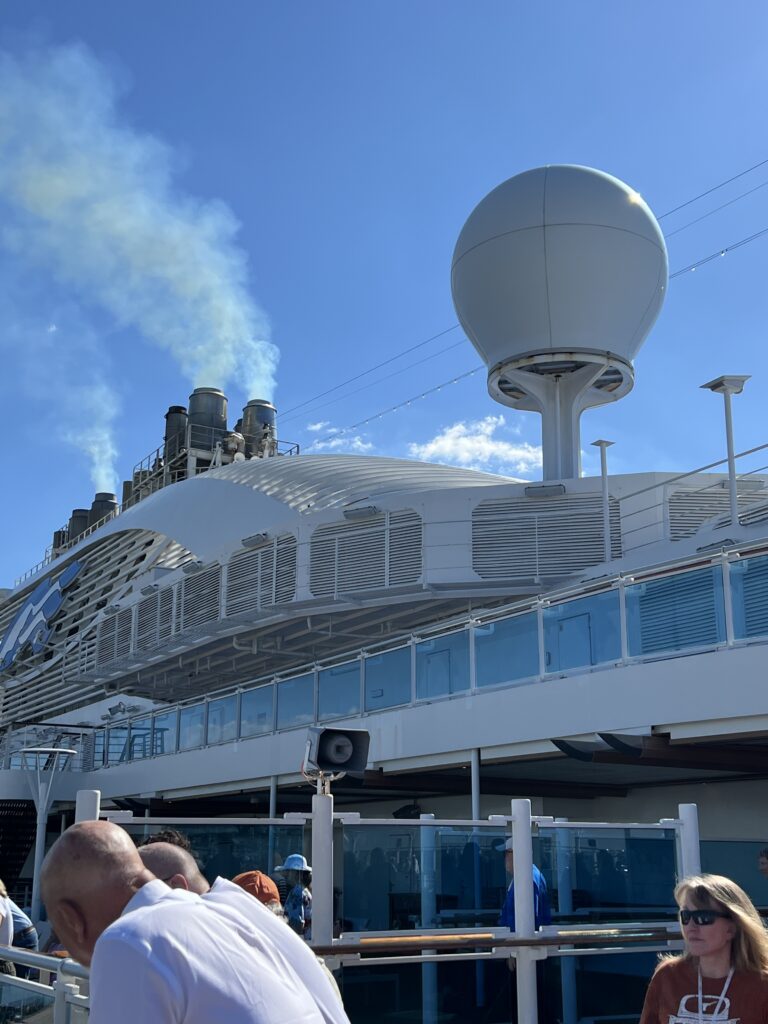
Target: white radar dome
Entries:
(557, 277)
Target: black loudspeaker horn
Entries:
(336, 750)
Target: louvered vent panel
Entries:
(405, 542)
(322, 565)
(362, 559)
(266, 576)
(165, 614)
(690, 509)
(146, 623)
(755, 589)
(678, 612)
(200, 597)
(243, 583)
(285, 575)
(523, 537)
(755, 513)
(123, 633)
(105, 640)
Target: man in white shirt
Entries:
(179, 869)
(157, 955)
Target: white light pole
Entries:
(42, 765)
(727, 386)
(603, 445)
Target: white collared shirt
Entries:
(288, 947)
(172, 959)
(6, 924)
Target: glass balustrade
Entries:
(663, 616)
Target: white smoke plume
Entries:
(61, 370)
(94, 202)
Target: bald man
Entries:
(179, 869)
(159, 955)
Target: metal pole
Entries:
(40, 830)
(525, 917)
(690, 850)
(428, 916)
(731, 458)
(273, 814)
(564, 848)
(477, 888)
(603, 446)
(322, 868)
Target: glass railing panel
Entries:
(507, 650)
(164, 732)
(388, 679)
(191, 726)
(257, 711)
(99, 747)
(296, 701)
(18, 1004)
(117, 744)
(229, 849)
(406, 876)
(222, 719)
(442, 665)
(676, 612)
(583, 632)
(607, 874)
(140, 742)
(338, 691)
(599, 987)
(741, 861)
(749, 590)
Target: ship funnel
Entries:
(259, 428)
(207, 417)
(78, 523)
(175, 438)
(103, 505)
(557, 277)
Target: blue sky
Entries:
(309, 167)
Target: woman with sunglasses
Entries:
(723, 974)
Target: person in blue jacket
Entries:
(541, 908)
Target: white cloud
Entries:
(314, 428)
(475, 445)
(342, 443)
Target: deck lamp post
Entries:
(603, 446)
(726, 386)
(43, 765)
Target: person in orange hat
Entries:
(262, 888)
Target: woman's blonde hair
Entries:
(749, 950)
(3, 890)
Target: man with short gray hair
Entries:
(160, 955)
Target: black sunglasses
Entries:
(701, 917)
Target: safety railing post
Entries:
(428, 916)
(322, 869)
(525, 918)
(689, 848)
(87, 805)
(61, 1005)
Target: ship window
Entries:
(99, 747)
(676, 612)
(117, 744)
(164, 735)
(507, 650)
(296, 701)
(442, 665)
(338, 691)
(257, 711)
(222, 719)
(139, 744)
(388, 679)
(749, 586)
(191, 723)
(582, 633)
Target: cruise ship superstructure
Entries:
(596, 644)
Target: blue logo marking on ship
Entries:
(31, 624)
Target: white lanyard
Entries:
(720, 998)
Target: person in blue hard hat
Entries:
(298, 902)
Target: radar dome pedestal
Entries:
(557, 277)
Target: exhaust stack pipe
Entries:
(260, 429)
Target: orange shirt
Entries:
(672, 997)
